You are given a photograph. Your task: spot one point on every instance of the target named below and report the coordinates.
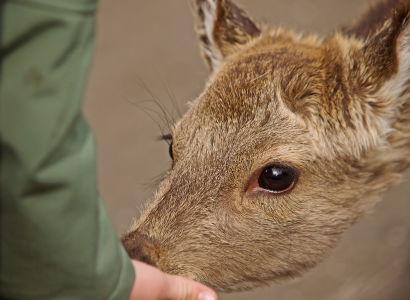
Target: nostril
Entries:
(139, 247)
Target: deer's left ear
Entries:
(387, 55)
(221, 25)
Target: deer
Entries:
(294, 139)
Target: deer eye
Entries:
(170, 151)
(277, 179)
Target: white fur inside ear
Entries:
(395, 92)
(209, 8)
(398, 85)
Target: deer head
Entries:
(291, 142)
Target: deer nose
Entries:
(140, 247)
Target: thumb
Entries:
(152, 284)
(186, 289)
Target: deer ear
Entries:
(221, 25)
(387, 54)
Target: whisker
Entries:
(155, 181)
(260, 76)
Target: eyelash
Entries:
(168, 137)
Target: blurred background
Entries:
(148, 50)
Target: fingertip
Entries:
(192, 290)
(205, 295)
(202, 292)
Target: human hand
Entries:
(152, 284)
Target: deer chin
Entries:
(223, 271)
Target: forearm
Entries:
(56, 237)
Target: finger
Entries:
(150, 283)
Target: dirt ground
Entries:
(147, 50)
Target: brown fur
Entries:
(335, 110)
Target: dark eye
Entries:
(277, 179)
(170, 151)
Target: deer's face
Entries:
(270, 163)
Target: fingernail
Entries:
(206, 296)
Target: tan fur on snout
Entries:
(333, 111)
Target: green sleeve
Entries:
(57, 241)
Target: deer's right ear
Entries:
(221, 25)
